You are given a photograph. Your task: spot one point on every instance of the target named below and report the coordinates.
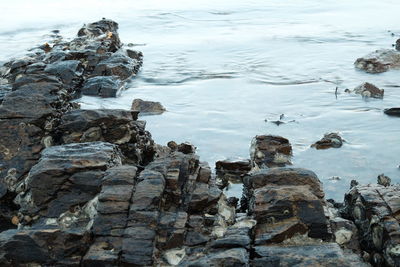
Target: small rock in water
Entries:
(379, 61)
(398, 44)
(384, 180)
(147, 107)
(335, 178)
(270, 151)
(392, 112)
(328, 141)
(369, 90)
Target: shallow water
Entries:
(222, 68)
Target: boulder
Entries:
(147, 107)
(369, 90)
(328, 141)
(270, 151)
(104, 86)
(379, 61)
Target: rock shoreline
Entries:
(91, 187)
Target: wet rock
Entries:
(374, 209)
(66, 176)
(42, 246)
(114, 126)
(345, 233)
(98, 28)
(327, 254)
(119, 65)
(398, 45)
(147, 107)
(392, 112)
(328, 141)
(270, 151)
(104, 86)
(369, 90)
(69, 71)
(384, 180)
(226, 257)
(379, 61)
(232, 170)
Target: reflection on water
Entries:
(225, 69)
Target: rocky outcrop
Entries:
(90, 187)
(331, 140)
(270, 151)
(379, 61)
(374, 209)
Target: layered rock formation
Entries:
(91, 188)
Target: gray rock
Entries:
(369, 90)
(104, 86)
(270, 151)
(379, 61)
(147, 107)
(331, 140)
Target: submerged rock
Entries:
(392, 112)
(147, 107)
(379, 61)
(270, 151)
(369, 90)
(328, 141)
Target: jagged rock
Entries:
(66, 176)
(328, 141)
(43, 246)
(104, 86)
(232, 170)
(229, 257)
(369, 90)
(270, 151)
(346, 233)
(384, 180)
(69, 71)
(392, 112)
(119, 65)
(328, 254)
(147, 107)
(115, 126)
(379, 61)
(375, 209)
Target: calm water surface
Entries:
(222, 68)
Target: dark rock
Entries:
(104, 86)
(69, 71)
(379, 61)
(346, 233)
(63, 177)
(328, 141)
(234, 237)
(369, 90)
(384, 180)
(393, 112)
(328, 254)
(234, 257)
(270, 151)
(276, 232)
(232, 170)
(117, 65)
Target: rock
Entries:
(374, 209)
(346, 233)
(104, 86)
(379, 61)
(270, 151)
(114, 126)
(147, 107)
(392, 112)
(384, 180)
(369, 90)
(42, 246)
(69, 71)
(118, 65)
(229, 257)
(66, 176)
(398, 45)
(232, 170)
(328, 141)
(328, 254)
